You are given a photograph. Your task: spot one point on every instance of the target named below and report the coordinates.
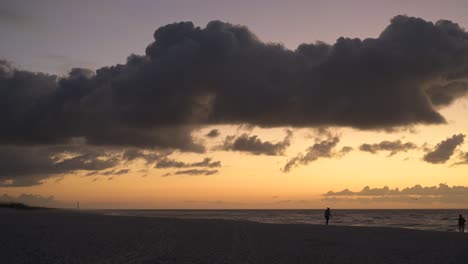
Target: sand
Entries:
(60, 236)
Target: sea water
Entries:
(422, 219)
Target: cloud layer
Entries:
(223, 74)
(416, 194)
(191, 77)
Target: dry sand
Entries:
(59, 236)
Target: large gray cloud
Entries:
(444, 150)
(223, 74)
(254, 145)
(321, 149)
(392, 146)
(46, 110)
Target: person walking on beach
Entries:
(327, 215)
(461, 223)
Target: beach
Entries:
(65, 236)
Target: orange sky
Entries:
(256, 181)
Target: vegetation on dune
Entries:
(19, 206)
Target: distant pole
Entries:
(78, 205)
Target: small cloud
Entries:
(148, 156)
(109, 172)
(214, 133)
(444, 150)
(124, 171)
(196, 172)
(462, 159)
(170, 163)
(254, 145)
(92, 173)
(393, 147)
(321, 149)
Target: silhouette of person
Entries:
(327, 215)
(461, 223)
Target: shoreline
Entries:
(62, 236)
(346, 217)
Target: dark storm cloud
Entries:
(195, 172)
(391, 146)
(223, 74)
(321, 149)
(170, 163)
(326, 84)
(255, 145)
(213, 133)
(44, 109)
(444, 150)
(416, 194)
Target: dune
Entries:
(61, 236)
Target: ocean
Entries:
(421, 219)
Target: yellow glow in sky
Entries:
(256, 181)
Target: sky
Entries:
(234, 104)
